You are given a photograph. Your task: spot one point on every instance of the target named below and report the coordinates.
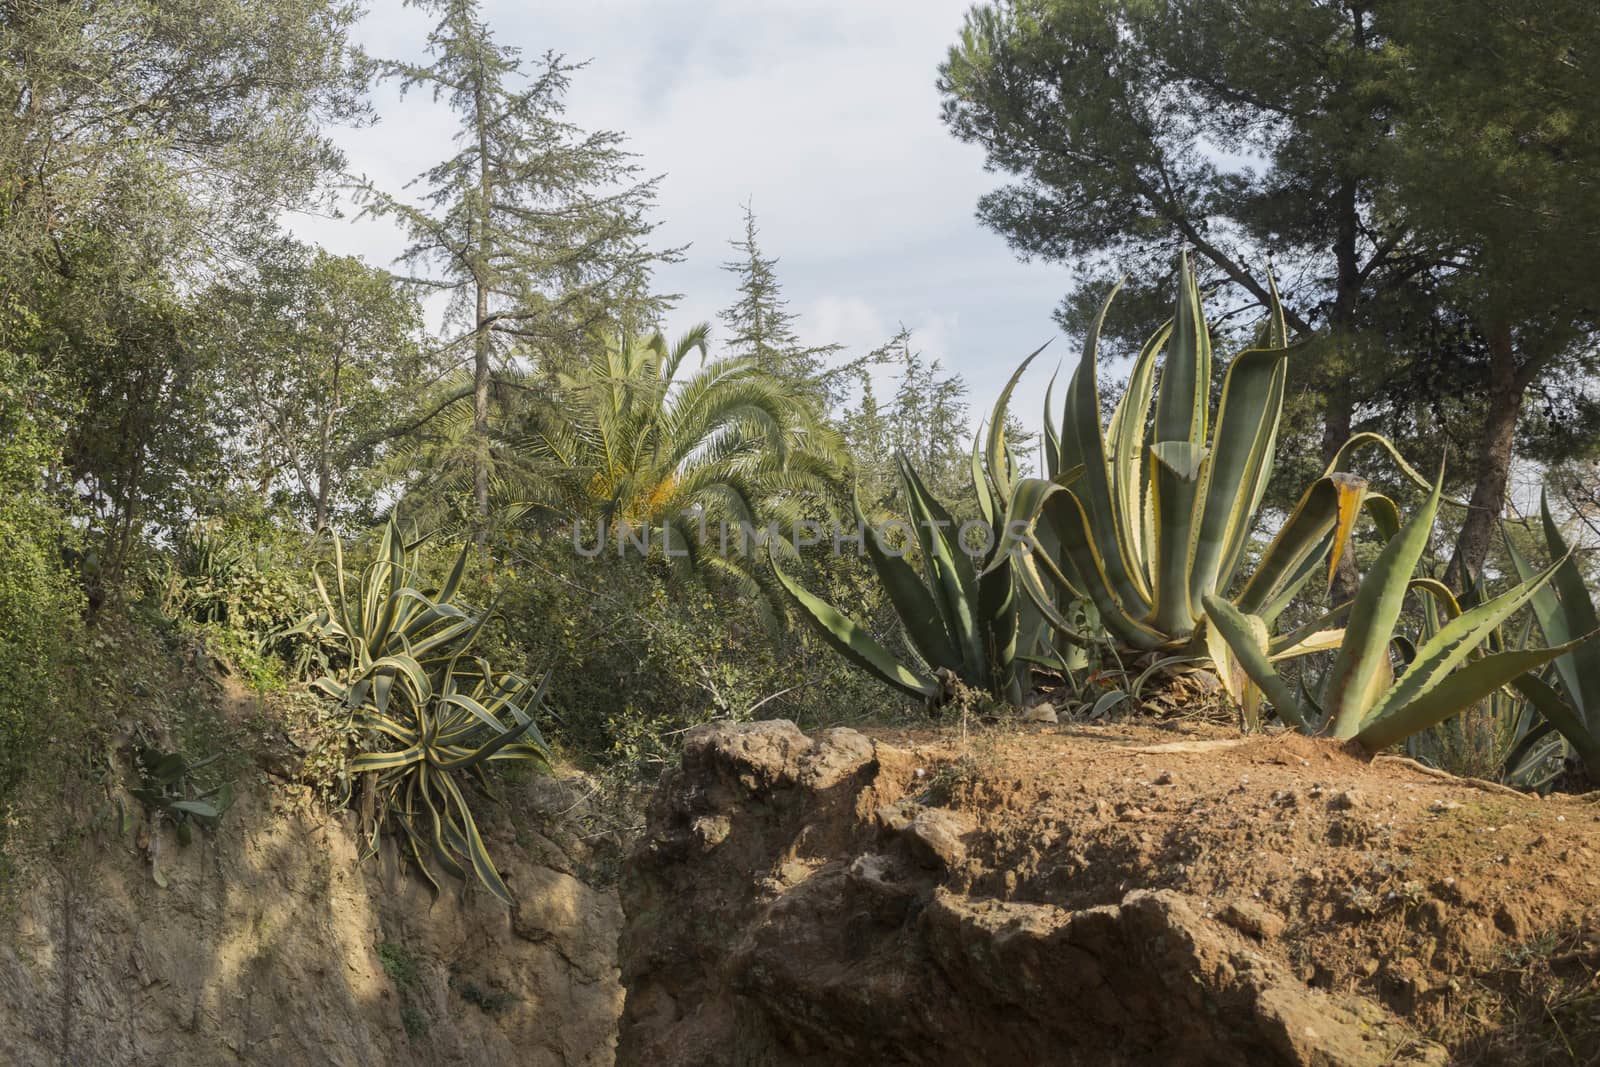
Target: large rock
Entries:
(818, 925)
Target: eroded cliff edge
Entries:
(1104, 898)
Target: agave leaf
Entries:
(851, 640)
(1183, 398)
(1082, 445)
(1395, 721)
(913, 603)
(482, 865)
(1236, 477)
(1298, 545)
(953, 579)
(1027, 576)
(1176, 469)
(1051, 445)
(1561, 715)
(1126, 439)
(1454, 642)
(386, 761)
(1067, 515)
(1358, 667)
(995, 451)
(1577, 615)
(1244, 640)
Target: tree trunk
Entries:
(1494, 460)
(480, 339)
(1338, 418)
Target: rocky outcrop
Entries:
(810, 901)
(271, 943)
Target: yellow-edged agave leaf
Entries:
(1136, 517)
(1175, 485)
(1000, 465)
(1356, 670)
(1299, 545)
(1241, 635)
(1241, 462)
(1236, 681)
(1067, 516)
(1395, 721)
(1183, 398)
(1310, 645)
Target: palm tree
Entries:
(626, 440)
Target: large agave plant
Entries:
(1159, 511)
(433, 714)
(1361, 697)
(959, 614)
(1565, 611)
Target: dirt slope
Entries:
(1100, 896)
(271, 944)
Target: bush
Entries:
(41, 607)
(640, 651)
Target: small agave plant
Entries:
(1361, 698)
(434, 715)
(959, 614)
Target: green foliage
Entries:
(1159, 511)
(343, 358)
(1566, 614)
(433, 715)
(633, 440)
(40, 606)
(167, 787)
(1360, 696)
(639, 651)
(959, 618)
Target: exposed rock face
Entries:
(273, 945)
(792, 903)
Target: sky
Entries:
(821, 113)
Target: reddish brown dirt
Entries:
(1103, 895)
(1448, 900)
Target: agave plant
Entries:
(1361, 697)
(1159, 511)
(434, 714)
(959, 614)
(1565, 610)
(1503, 735)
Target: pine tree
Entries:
(536, 229)
(761, 326)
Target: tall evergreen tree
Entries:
(760, 325)
(536, 229)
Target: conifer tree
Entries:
(536, 229)
(761, 326)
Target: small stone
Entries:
(1444, 805)
(1345, 800)
(1164, 778)
(712, 830)
(1042, 713)
(937, 834)
(1252, 919)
